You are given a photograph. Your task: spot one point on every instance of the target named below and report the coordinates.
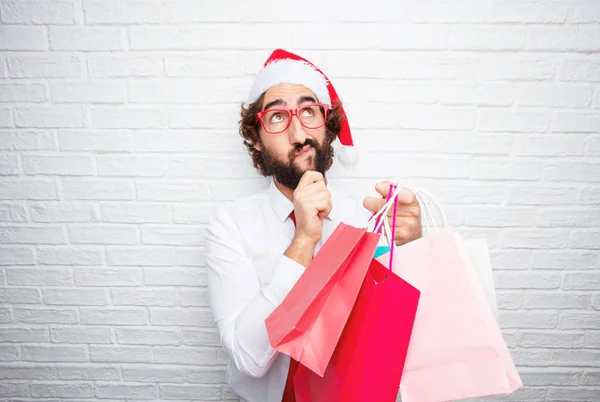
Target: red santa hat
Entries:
(285, 67)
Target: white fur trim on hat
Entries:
(292, 72)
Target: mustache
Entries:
(309, 141)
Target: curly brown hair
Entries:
(250, 128)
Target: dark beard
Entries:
(288, 174)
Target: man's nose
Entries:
(296, 131)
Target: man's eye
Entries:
(276, 118)
(308, 112)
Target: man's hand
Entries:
(408, 212)
(312, 204)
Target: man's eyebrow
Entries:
(305, 98)
(276, 102)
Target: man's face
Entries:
(289, 154)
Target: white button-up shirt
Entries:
(248, 277)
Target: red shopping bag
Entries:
(308, 323)
(369, 358)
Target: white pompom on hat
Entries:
(285, 67)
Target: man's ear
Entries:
(257, 146)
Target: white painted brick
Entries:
(114, 65)
(536, 239)
(411, 117)
(222, 116)
(559, 170)
(556, 300)
(89, 373)
(128, 117)
(75, 297)
(46, 316)
(19, 296)
(181, 355)
(554, 11)
(23, 93)
(189, 316)
(194, 298)
(23, 38)
(584, 11)
(510, 259)
(49, 65)
(144, 297)
(40, 12)
(120, 354)
(218, 166)
(62, 212)
(550, 376)
(120, 316)
(527, 280)
(51, 116)
(187, 141)
(156, 374)
(95, 140)
(46, 276)
(191, 64)
(138, 166)
(12, 213)
(6, 117)
(26, 140)
(174, 235)
(489, 94)
(24, 334)
(592, 146)
(140, 256)
(581, 38)
(581, 358)
(567, 217)
(549, 145)
(591, 378)
(577, 394)
(121, 12)
(6, 316)
(579, 320)
(591, 338)
(587, 69)
(588, 239)
(509, 121)
(201, 337)
(355, 91)
(205, 375)
(31, 235)
(92, 92)
(3, 67)
(9, 165)
(27, 372)
(528, 319)
(568, 260)
(503, 169)
(101, 277)
(10, 389)
(116, 391)
(473, 37)
(552, 340)
(182, 91)
(582, 281)
(205, 392)
(216, 11)
(193, 214)
(589, 195)
(62, 390)
(180, 191)
(559, 95)
(191, 257)
(104, 189)
(517, 67)
(221, 192)
(109, 234)
(135, 213)
(177, 277)
(58, 165)
(499, 217)
(24, 189)
(80, 335)
(147, 337)
(542, 195)
(86, 39)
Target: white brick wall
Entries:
(118, 139)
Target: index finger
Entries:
(405, 196)
(309, 177)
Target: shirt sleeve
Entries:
(238, 302)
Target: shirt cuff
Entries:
(285, 276)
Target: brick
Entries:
(80, 335)
(154, 374)
(205, 375)
(88, 373)
(391, 91)
(144, 297)
(591, 378)
(559, 170)
(20, 296)
(510, 259)
(174, 235)
(211, 166)
(582, 281)
(95, 140)
(509, 300)
(74, 297)
(517, 67)
(23, 38)
(40, 12)
(579, 320)
(9, 353)
(181, 355)
(564, 260)
(581, 38)
(11, 389)
(9, 165)
(141, 256)
(109, 234)
(556, 300)
(190, 257)
(508, 121)
(527, 280)
(23, 93)
(567, 217)
(106, 316)
(579, 358)
(147, 337)
(592, 146)
(551, 340)
(489, 94)
(542, 195)
(584, 11)
(575, 122)
(62, 390)
(549, 145)
(200, 64)
(89, 92)
(187, 141)
(528, 319)
(117, 391)
(585, 69)
(55, 116)
(120, 354)
(121, 12)
(194, 214)
(536, 239)
(473, 37)
(140, 166)
(191, 116)
(86, 39)
(176, 277)
(31, 235)
(45, 65)
(128, 117)
(205, 392)
(470, 193)
(122, 65)
(182, 91)
(202, 337)
(27, 372)
(503, 169)
(46, 316)
(24, 334)
(414, 117)
(12, 213)
(499, 217)
(194, 298)
(589, 195)
(5, 315)
(528, 11)
(62, 212)
(135, 213)
(58, 165)
(207, 11)
(69, 256)
(559, 95)
(26, 140)
(180, 191)
(596, 302)
(573, 394)
(550, 376)
(101, 277)
(55, 354)
(195, 317)
(98, 189)
(233, 189)
(46, 276)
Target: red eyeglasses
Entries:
(276, 121)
